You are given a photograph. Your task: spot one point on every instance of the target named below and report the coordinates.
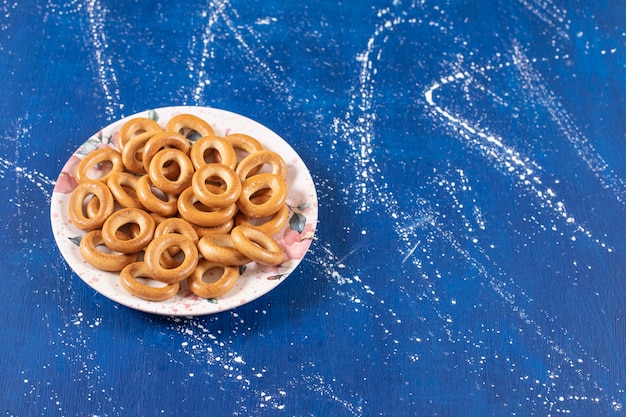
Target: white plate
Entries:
(256, 280)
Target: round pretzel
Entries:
(128, 279)
(157, 171)
(261, 182)
(268, 225)
(134, 127)
(244, 143)
(99, 158)
(207, 196)
(224, 152)
(161, 141)
(79, 198)
(162, 204)
(212, 217)
(160, 245)
(226, 280)
(132, 152)
(219, 247)
(123, 186)
(100, 259)
(255, 161)
(257, 245)
(127, 216)
(186, 123)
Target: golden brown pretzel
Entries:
(99, 158)
(257, 245)
(132, 153)
(223, 197)
(226, 281)
(212, 217)
(159, 246)
(101, 259)
(161, 141)
(268, 225)
(128, 279)
(185, 123)
(134, 127)
(163, 205)
(82, 193)
(123, 217)
(219, 248)
(158, 171)
(223, 150)
(258, 183)
(123, 186)
(255, 161)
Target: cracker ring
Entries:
(157, 171)
(128, 279)
(191, 213)
(161, 141)
(176, 225)
(255, 161)
(100, 259)
(78, 199)
(154, 199)
(226, 281)
(160, 245)
(123, 186)
(127, 216)
(219, 248)
(229, 195)
(132, 152)
(269, 225)
(224, 152)
(256, 245)
(134, 127)
(258, 183)
(98, 158)
(187, 123)
(245, 143)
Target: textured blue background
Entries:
(470, 165)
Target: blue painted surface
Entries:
(470, 165)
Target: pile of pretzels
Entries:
(165, 208)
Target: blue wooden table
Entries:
(470, 164)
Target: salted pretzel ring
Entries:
(81, 194)
(123, 186)
(255, 161)
(223, 150)
(227, 279)
(162, 204)
(160, 245)
(244, 143)
(100, 259)
(132, 152)
(261, 182)
(256, 245)
(157, 171)
(224, 197)
(219, 248)
(123, 217)
(161, 141)
(99, 158)
(212, 217)
(184, 123)
(134, 127)
(128, 279)
(269, 225)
